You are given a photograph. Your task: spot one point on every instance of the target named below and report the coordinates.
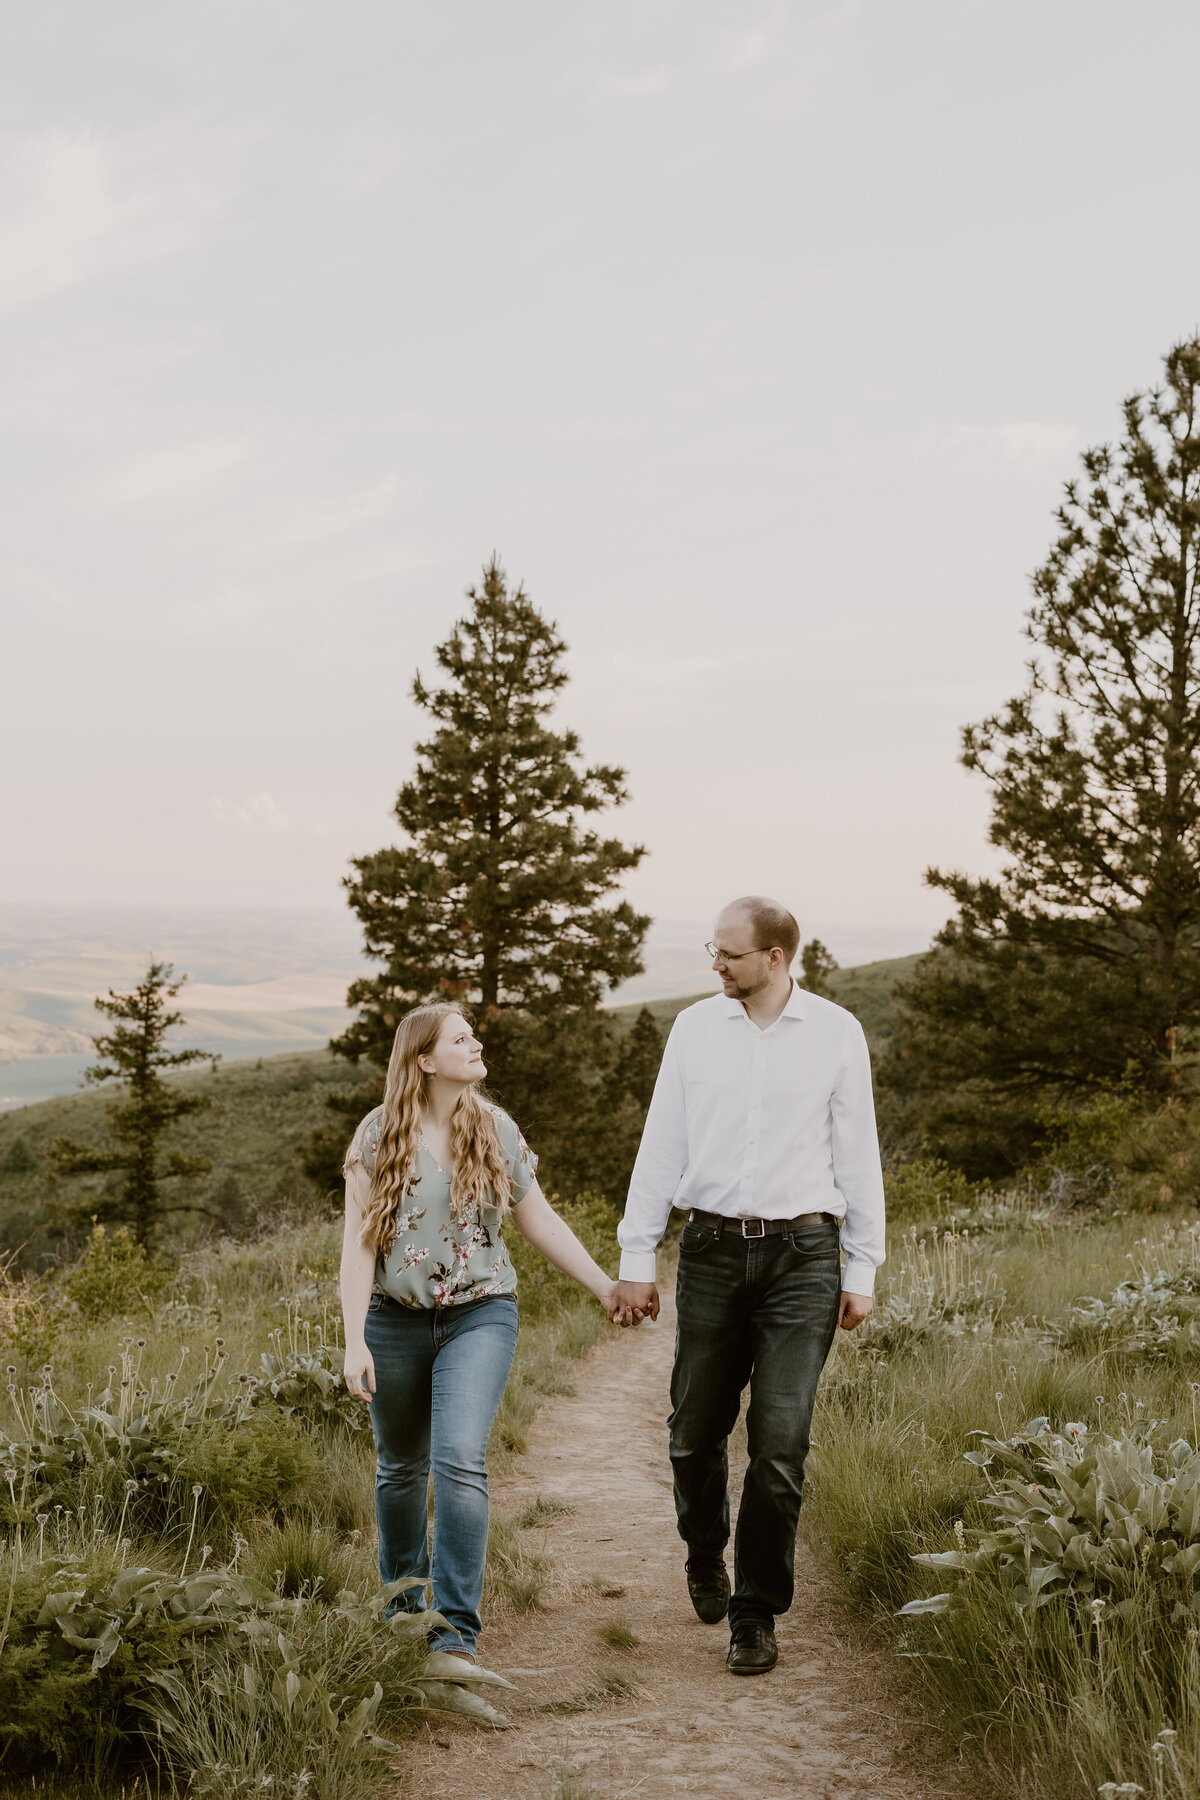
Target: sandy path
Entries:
(829, 1722)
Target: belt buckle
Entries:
(762, 1228)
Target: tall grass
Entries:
(1053, 1700)
(190, 1479)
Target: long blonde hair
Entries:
(481, 1176)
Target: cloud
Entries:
(162, 474)
(641, 85)
(1036, 445)
(315, 522)
(738, 50)
(78, 204)
(257, 813)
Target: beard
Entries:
(746, 990)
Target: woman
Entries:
(429, 1301)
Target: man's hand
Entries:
(853, 1310)
(634, 1301)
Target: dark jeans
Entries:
(439, 1376)
(764, 1311)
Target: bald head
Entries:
(770, 924)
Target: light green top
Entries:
(436, 1259)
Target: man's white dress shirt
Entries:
(761, 1125)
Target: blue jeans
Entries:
(439, 1376)
(761, 1310)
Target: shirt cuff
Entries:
(637, 1265)
(858, 1277)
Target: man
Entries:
(762, 1127)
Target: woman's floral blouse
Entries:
(436, 1259)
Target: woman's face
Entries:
(456, 1056)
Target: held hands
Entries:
(359, 1369)
(854, 1308)
(629, 1302)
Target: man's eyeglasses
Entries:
(728, 956)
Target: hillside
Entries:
(267, 1107)
(868, 990)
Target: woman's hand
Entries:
(607, 1297)
(622, 1310)
(359, 1368)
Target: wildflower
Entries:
(197, 1489)
(131, 1486)
(141, 1343)
(1167, 1736)
(43, 1518)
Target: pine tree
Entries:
(501, 895)
(1079, 965)
(637, 1062)
(816, 966)
(136, 1055)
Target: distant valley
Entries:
(260, 983)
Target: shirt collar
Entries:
(794, 1009)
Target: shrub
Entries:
(303, 1375)
(935, 1292)
(925, 1188)
(30, 1317)
(1072, 1622)
(544, 1290)
(1107, 1520)
(248, 1465)
(1154, 1314)
(114, 1277)
(215, 1672)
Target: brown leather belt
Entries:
(757, 1228)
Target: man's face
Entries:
(744, 968)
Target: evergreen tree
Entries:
(816, 965)
(500, 894)
(136, 1055)
(1079, 964)
(636, 1066)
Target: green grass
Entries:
(255, 1135)
(288, 1496)
(618, 1634)
(1026, 1694)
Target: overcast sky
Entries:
(756, 338)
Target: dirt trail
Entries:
(829, 1723)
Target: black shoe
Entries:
(708, 1585)
(752, 1649)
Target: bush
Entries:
(1080, 1602)
(215, 1672)
(925, 1189)
(115, 1278)
(248, 1466)
(935, 1292)
(1154, 1315)
(30, 1315)
(543, 1290)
